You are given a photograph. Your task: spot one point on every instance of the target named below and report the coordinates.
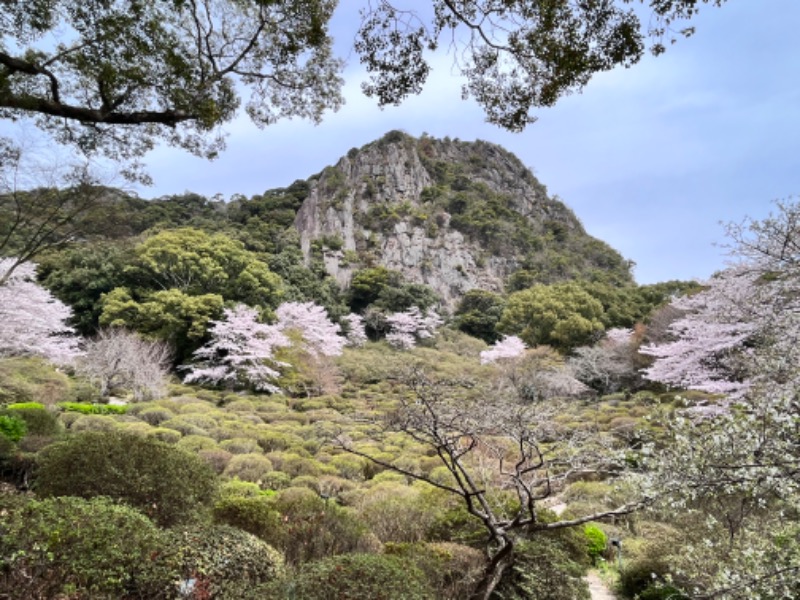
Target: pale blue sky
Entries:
(651, 159)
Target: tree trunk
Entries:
(493, 573)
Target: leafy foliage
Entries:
(560, 315)
(131, 86)
(165, 483)
(72, 546)
(356, 576)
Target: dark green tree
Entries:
(478, 314)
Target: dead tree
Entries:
(491, 445)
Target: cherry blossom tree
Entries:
(510, 346)
(319, 335)
(738, 468)
(707, 351)
(32, 321)
(608, 365)
(405, 328)
(355, 330)
(121, 359)
(240, 353)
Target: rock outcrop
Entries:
(449, 214)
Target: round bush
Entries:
(241, 446)
(216, 458)
(167, 484)
(38, 419)
(195, 443)
(248, 467)
(71, 547)
(357, 577)
(156, 415)
(168, 436)
(94, 423)
(221, 562)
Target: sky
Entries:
(652, 159)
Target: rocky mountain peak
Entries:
(450, 214)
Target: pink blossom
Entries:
(405, 328)
(356, 333)
(320, 335)
(240, 352)
(509, 347)
(32, 321)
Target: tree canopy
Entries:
(120, 76)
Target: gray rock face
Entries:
(379, 205)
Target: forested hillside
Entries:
(412, 375)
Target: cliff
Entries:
(449, 214)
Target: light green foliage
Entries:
(254, 513)
(170, 315)
(12, 427)
(596, 541)
(86, 408)
(560, 315)
(356, 576)
(168, 484)
(62, 547)
(197, 263)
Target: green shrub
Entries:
(168, 484)
(248, 467)
(195, 443)
(253, 514)
(94, 423)
(87, 408)
(596, 541)
(221, 562)
(216, 458)
(312, 527)
(545, 569)
(156, 416)
(356, 577)
(452, 570)
(240, 446)
(70, 547)
(24, 379)
(12, 427)
(183, 426)
(168, 436)
(38, 419)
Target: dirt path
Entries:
(598, 588)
